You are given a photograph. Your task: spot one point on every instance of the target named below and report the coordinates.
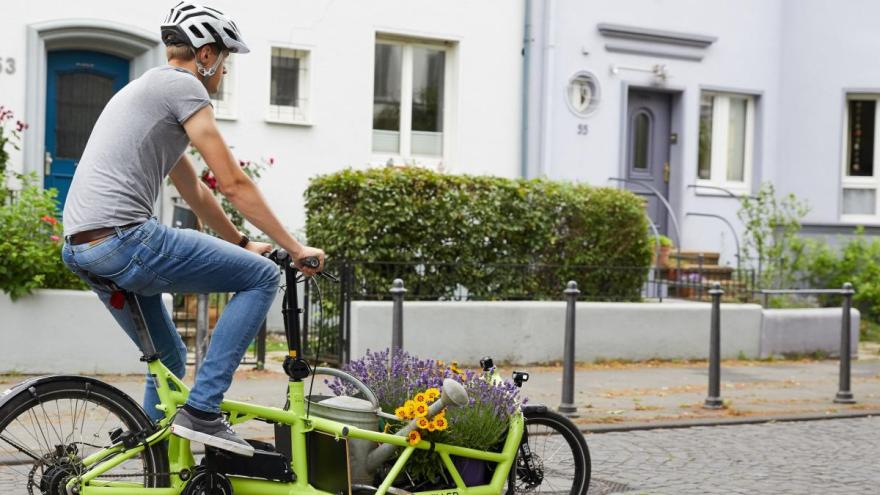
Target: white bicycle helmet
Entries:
(196, 25)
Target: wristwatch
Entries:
(244, 241)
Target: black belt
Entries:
(96, 234)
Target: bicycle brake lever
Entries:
(329, 277)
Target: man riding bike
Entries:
(111, 234)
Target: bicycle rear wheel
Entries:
(48, 425)
(553, 457)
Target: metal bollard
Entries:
(567, 406)
(713, 400)
(397, 293)
(844, 394)
(201, 329)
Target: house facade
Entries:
(327, 85)
(699, 102)
(691, 103)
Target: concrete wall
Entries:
(64, 331)
(485, 68)
(533, 332)
(803, 331)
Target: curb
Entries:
(670, 425)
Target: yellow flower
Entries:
(423, 423)
(440, 363)
(410, 409)
(414, 437)
(432, 426)
(387, 428)
(439, 423)
(421, 397)
(400, 412)
(421, 410)
(441, 414)
(432, 394)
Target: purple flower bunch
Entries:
(396, 376)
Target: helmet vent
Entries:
(231, 33)
(195, 31)
(187, 7)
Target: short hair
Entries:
(181, 52)
(185, 53)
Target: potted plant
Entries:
(403, 382)
(661, 257)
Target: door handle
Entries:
(47, 164)
(666, 172)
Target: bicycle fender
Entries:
(24, 388)
(533, 409)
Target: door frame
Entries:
(677, 180)
(142, 48)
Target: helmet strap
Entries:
(208, 71)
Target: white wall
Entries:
(341, 36)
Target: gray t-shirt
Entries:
(135, 143)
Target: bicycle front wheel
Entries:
(552, 458)
(48, 425)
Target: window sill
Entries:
(705, 188)
(869, 220)
(399, 161)
(298, 123)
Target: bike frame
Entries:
(173, 394)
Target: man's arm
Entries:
(202, 201)
(239, 188)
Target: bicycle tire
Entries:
(518, 480)
(50, 418)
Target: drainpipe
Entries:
(547, 87)
(527, 49)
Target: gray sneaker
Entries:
(216, 433)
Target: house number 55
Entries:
(7, 65)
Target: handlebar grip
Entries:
(311, 262)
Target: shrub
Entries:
(857, 261)
(30, 243)
(473, 225)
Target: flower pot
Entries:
(661, 258)
(474, 472)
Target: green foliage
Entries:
(10, 136)
(30, 243)
(473, 225)
(857, 262)
(770, 243)
(665, 241)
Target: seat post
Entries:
(140, 327)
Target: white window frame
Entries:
(860, 182)
(227, 110)
(296, 115)
(718, 160)
(404, 156)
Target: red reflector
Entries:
(117, 299)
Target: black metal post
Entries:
(567, 407)
(713, 400)
(844, 394)
(261, 346)
(700, 275)
(397, 294)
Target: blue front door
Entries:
(78, 85)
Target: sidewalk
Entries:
(623, 395)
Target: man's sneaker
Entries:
(216, 433)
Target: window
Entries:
(726, 136)
(288, 95)
(409, 92)
(860, 182)
(224, 104)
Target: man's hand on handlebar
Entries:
(304, 260)
(259, 247)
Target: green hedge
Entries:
(474, 224)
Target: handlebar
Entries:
(282, 257)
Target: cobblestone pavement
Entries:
(817, 457)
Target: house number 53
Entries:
(7, 65)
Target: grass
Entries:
(273, 343)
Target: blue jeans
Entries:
(152, 258)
